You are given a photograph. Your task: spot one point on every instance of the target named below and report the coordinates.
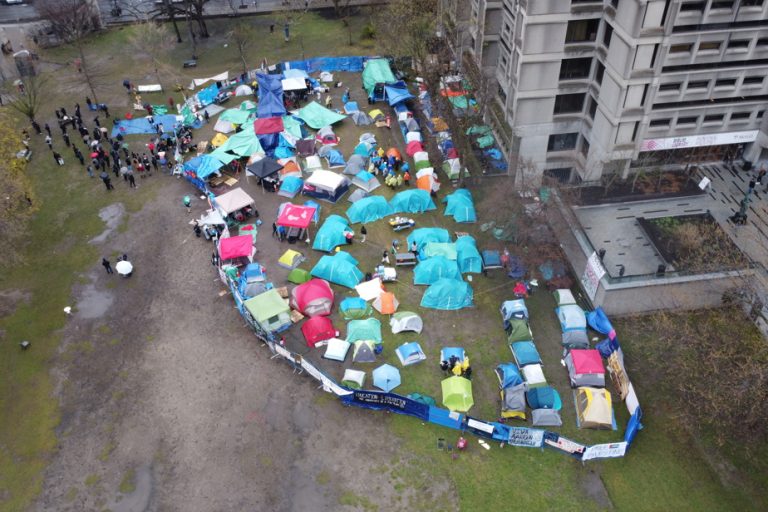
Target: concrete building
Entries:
(588, 88)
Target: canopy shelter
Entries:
(317, 329)
(290, 259)
(326, 185)
(422, 236)
(294, 84)
(369, 209)
(296, 216)
(235, 247)
(467, 255)
(269, 311)
(406, 321)
(353, 379)
(460, 206)
(366, 181)
(448, 294)
(457, 394)
(331, 234)
(313, 298)
(386, 303)
(270, 95)
(377, 72)
(593, 408)
(264, 167)
(355, 308)
(412, 201)
(367, 329)
(386, 377)
(355, 164)
(585, 368)
(336, 350)
(397, 93)
(410, 353)
(338, 270)
(433, 269)
(266, 125)
(317, 116)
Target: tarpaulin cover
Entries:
(369, 209)
(338, 270)
(364, 330)
(377, 71)
(264, 167)
(235, 247)
(397, 93)
(244, 143)
(317, 328)
(423, 236)
(207, 95)
(305, 147)
(141, 125)
(433, 269)
(269, 142)
(270, 96)
(317, 116)
(377, 400)
(447, 295)
(292, 126)
(412, 201)
(235, 115)
(265, 125)
(207, 165)
(353, 64)
(296, 216)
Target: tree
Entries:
(28, 102)
(406, 27)
(72, 21)
(243, 36)
(196, 9)
(17, 199)
(152, 41)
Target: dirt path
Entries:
(168, 398)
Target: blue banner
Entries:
(390, 401)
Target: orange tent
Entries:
(290, 167)
(424, 183)
(386, 304)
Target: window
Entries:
(562, 142)
(736, 44)
(709, 46)
(669, 87)
(561, 174)
(763, 41)
(727, 4)
(693, 6)
(698, 84)
(687, 120)
(615, 4)
(575, 68)
(681, 48)
(725, 82)
(592, 107)
(582, 31)
(607, 35)
(660, 123)
(751, 3)
(599, 73)
(753, 80)
(741, 116)
(760, 114)
(584, 147)
(714, 118)
(569, 103)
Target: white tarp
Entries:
(369, 290)
(233, 200)
(294, 84)
(212, 218)
(222, 126)
(197, 82)
(149, 88)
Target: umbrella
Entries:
(94, 154)
(124, 268)
(386, 377)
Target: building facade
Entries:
(588, 88)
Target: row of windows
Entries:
(718, 4)
(715, 46)
(574, 104)
(701, 85)
(568, 142)
(735, 117)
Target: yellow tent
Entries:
(593, 406)
(218, 140)
(376, 113)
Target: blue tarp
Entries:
(467, 255)
(448, 295)
(141, 126)
(331, 234)
(353, 64)
(433, 269)
(397, 93)
(207, 95)
(599, 321)
(269, 142)
(412, 201)
(338, 270)
(335, 158)
(203, 166)
(270, 96)
(295, 73)
(368, 209)
(423, 236)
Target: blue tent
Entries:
(252, 282)
(508, 375)
(423, 236)
(467, 255)
(354, 308)
(433, 269)
(291, 186)
(460, 206)
(337, 270)
(397, 93)
(598, 320)
(448, 295)
(270, 96)
(386, 377)
(368, 209)
(412, 201)
(335, 158)
(331, 234)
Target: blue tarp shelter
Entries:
(423, 236)
(460, 206)
(368, 209)
(433, 269)
(338, 269)
(397, 93)
(467, 255)
(203, 166)
(208, 95)
(412, 201)
(141, 126)
(270, 96)
(448, 295)
(331, 234)
(598, 320)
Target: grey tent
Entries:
(325, 150)
(361, 118)
(546, 418)
(357, 195)
(412, 125)
(264, 167)
(355, 164)
(364, 352)
(305, 147)
(513, 401)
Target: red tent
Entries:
(266, 125)
(413, 147)
(313, 298)
(296, 216)
(316, 329)
(235, 247)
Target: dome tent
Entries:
(403, 321)
(448, 294)
(412, 201)
(435, 268)
(331, 234)
(313, 298)
(317, 329)
(369, 209)
(338, 269)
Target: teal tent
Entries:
(364, 330)
(460, 206)
(368, 209)
(412, 201)
(244, 143)
(448, 295)
(223, 156)
(355, 308)
(235, 116)
(467, 255)
(377, 71)
(331, 234)
(423, 236)
(292, 126)
(317, 116)
(446, 250)
(434, 269)
(338, 270)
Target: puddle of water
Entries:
(111, 215)
(93, 303)
(138, 500)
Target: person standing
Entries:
(363, 233)
(107, 265)
(77, 111)
(78, 155)
(385, 258)
(89, 170)
(57, 158)
(49, 141)
(414, 250)
(107, 181)
(47, 129)
(188, 203)
(88, 102)
(65, 137)
(36, 127)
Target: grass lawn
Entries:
(664, 470)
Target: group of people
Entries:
(457, 367)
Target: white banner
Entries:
(605, 451)
(528, 437)
(592, 275)
(695, 141)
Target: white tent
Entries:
(369, 290)
(354, 379)
(410, 353)
(313, 163)
(222, 126)
(233, 201)
(326, 180)
(412, 136)
(406, 321)
(336, 349)
(421, 156)
(243, 90)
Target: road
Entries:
(16, 13)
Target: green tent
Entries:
(365, 330)
(424, 399)
(235, 116)
(518, 330)
(269, 310)
(299, 276)
(244, 143)
(457, 394)
(377, 71)
(317, 116)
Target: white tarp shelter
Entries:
(233, 201)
